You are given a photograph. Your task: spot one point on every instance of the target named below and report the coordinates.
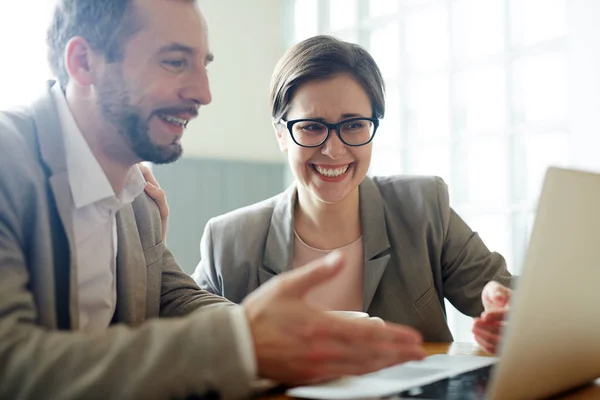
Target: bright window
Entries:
(24, 67)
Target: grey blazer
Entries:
(417, 251)
(142, 355)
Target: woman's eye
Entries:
(353, 126)
(313, 128)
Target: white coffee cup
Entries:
(355, 315)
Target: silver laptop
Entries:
(552, 342)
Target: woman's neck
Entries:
(327, 226)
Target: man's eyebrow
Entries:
(176, 47)
(184, 49)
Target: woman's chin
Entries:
(330, 196)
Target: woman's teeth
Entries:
(332, 172)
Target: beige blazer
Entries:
(417, 251)
(143, 355)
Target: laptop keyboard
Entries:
(470, 385)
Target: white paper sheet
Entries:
(393, 380)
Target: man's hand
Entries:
(295, 344)
(487, 329)
(153, 190)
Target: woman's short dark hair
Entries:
(322, 57)
(105, 24)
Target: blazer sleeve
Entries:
(467, 264)
(162, 358)
(206, 275)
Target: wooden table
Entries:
(586, 393)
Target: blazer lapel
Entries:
(52, 152)
(131, 270)
(376, 244)
(279, 247)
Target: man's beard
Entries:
(115, 104)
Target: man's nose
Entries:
(197, 90)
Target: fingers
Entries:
(153, 190)
(495, 295)
(363, 331)
(494, 315)
(333, 358)
(488, 333)
(494, 327)
(148, 174)
(340, 368)
(488, 340)
(298, 282)
(368, 343)
(490, 348)
(159, 197)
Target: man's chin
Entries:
(161, 154)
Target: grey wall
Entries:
(198, 189)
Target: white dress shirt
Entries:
(95, 230)
(94, 222)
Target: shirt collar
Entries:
(87, 180)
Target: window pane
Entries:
(24, 68)
(389, 133)
(543, 151)
(534, 21)
(523, 225)
(387, 143)
(494, 230)
(385, 161)
(478, 27)
(481, 101)
(427, 37)
(306, 21)
(430, 160)
(348, 35)
(342, 14)
(412, 3)
(382, 7)
(486, 172)
(385, 48)
(541, 89)
(429, 110)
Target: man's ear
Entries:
(282, 136)
(81, 62)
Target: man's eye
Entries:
(175, 64)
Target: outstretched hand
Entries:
(295, 344)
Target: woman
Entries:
(407, 249)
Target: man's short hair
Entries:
(105, 24)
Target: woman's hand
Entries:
(488, 328)
(158, 195)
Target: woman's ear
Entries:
(282, 136)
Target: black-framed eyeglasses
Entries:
(313, 133)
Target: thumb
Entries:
(299, 281)
(495, 295)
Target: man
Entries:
(92, 303)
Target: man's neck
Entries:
(328, 226)
(106, 144)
